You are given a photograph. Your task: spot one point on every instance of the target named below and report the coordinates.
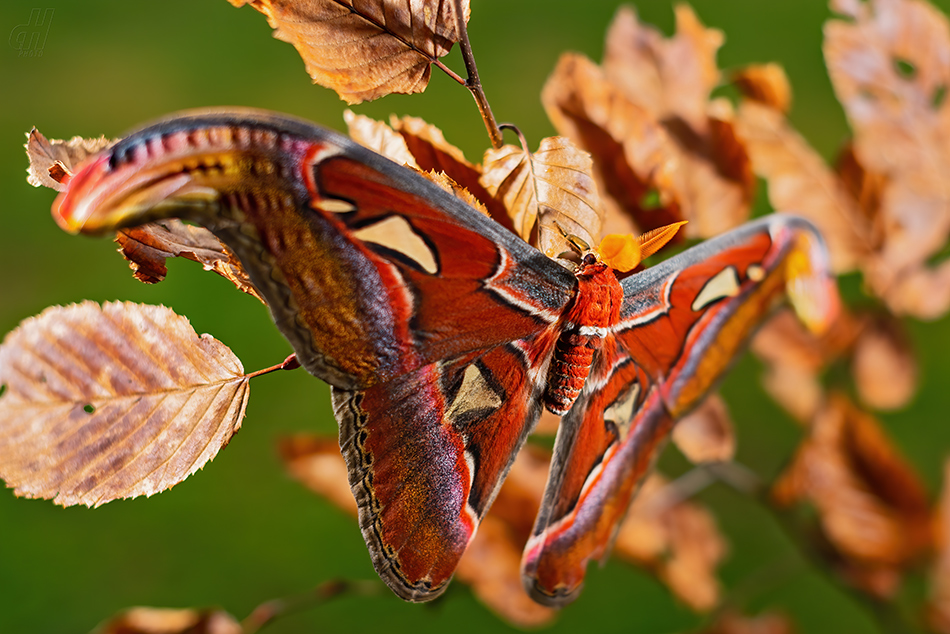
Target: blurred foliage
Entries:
(241, 531)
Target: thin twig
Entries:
(473, 83)
(267, 612)
(290, 363)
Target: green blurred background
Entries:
(242, 531)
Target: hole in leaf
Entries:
(88, 408)
(939, 96)
(3, 389)
(904, 68)
(651, 199)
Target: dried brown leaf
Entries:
(872, 506)
(706, 434)
(378, 137)
(765, 83)
(52, 160)
(883, 365)
(800, 181)
(365, 49)
(113, 402)
(680, 543)
(922, 292)
(553, 188)
(668, 77)
(890, 68)
(144, 620)
(636, 165)
(432, 152)
(148, 246)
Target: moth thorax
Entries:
(570, 366)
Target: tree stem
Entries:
(473, 83)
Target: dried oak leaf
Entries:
(706, 434)
(883, 364)
(889, 64)
(672, 79)
(143, 620)
(148, 246)
(365, 49)
(552, 188)
(413, 142)
(938, 604)
(492, 564)
(53, 161)
(800, 181)
(871, 505)
(678, 542)
(636, 166)
(794, 358)
(113, 402)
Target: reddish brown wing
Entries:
(682, 324)
(429, 320)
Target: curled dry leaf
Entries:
(871, 505)
(378, 137)
(52, 161)
(706, 434)
(413, 142)
(800, 181)
(492, 563)
(883, 365)
(635, 164)
(148, 246)
(552, 188)
(113, 402)
(365, 49)
(938, 604)
(890, 68)
(679, 542)
(144, 620)
(765, 83)
(794, 358)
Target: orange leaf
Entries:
(148, 246)
(679, 543)
(767, 623)
(113, 402)
(365, 49)
(883, 365)
(766, 84)
(800, 182)
(378, 137)
(706, 434)
(889, 67)
(871, 504)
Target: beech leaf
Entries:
(148, 246)
(883, 365)
(113, 402)
(365, 49)
(706, 434)
(765, 83)
(871, 504)
(378, 137)
(50, 160)
(680, 543)
(553, 188)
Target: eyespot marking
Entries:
(334, 205)
(755, 273)
(620, 412)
